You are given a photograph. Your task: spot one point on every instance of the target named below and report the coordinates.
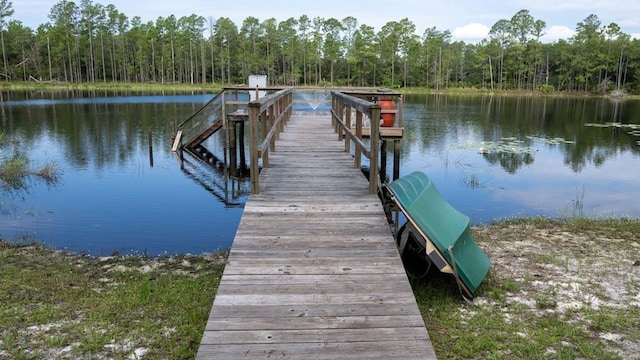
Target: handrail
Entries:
(271, 112)
(212, 115)
(201, 119)
(342, 106)
(190, 118)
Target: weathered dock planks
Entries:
(314, 272)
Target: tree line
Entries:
(90, 42)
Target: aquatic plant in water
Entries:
(15, 170)
(512, 145)
(634, 129)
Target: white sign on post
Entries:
(257, 81)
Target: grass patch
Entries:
(549, 295)
(59, 305)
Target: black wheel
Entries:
(413, 251)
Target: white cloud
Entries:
(556, 33)
(473, 32)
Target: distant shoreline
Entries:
(110, 86)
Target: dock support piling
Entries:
(396, 159)
(232, 146)
(243, 160)
(383, 161)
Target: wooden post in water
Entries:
(150, 149)
(232, 146)
(243, 160)
(396, 159)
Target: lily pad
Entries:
(550, 141)
(614, 125)
(512, 145)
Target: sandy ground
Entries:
(566, 270)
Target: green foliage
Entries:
(546, 89)
(86, 42)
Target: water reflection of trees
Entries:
(102, 134)
(449, 118)
(99, 135)
(510, 162)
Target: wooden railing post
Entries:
(358, 151)
(281, 104)
(273, 113)
(254, 150)
(344, 130)
(334, 108)
(375, 148)
(264, 129)
(341, 117)
(289, 106)
(347, 123)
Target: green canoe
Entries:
(443, 231)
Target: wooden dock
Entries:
(314, 272)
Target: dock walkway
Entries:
(314, 272)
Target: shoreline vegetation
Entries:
(180, 87)
(557, 289)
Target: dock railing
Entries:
(342, 109)
(191, 129)
(212, 115)
(267, 118)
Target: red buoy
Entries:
(388, 118)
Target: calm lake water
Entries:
(501, 157)
(491, 157)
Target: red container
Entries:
(389, 118)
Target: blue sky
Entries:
(468, 20)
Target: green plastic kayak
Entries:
(446, 231)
